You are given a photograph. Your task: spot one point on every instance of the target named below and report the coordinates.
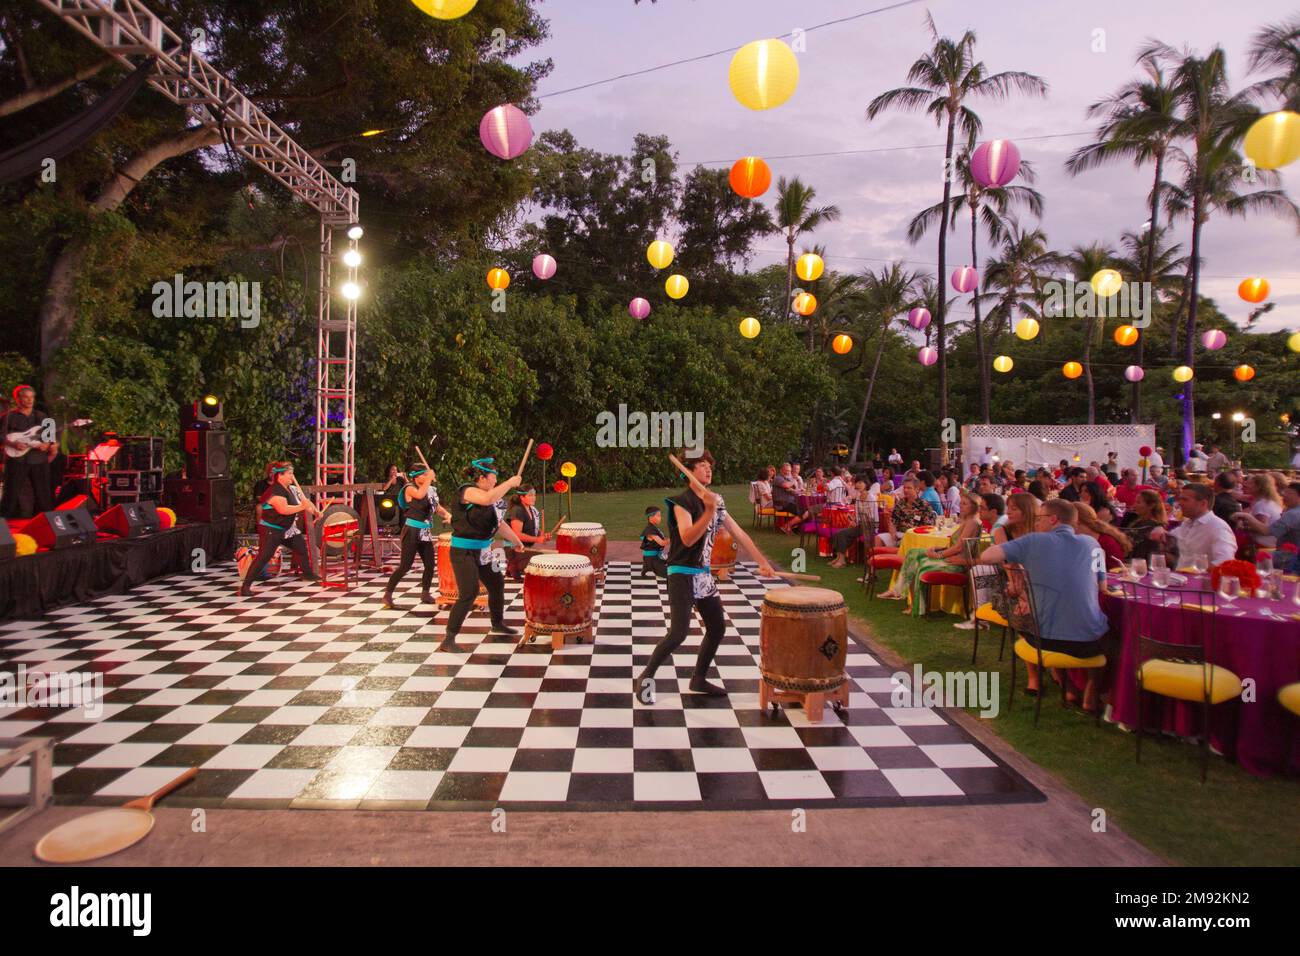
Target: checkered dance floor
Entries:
(312, 698)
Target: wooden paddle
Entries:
(96, 835)
(523, 461)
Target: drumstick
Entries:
(527, 451)
(557, 525)
(696, 486)
(423, 460)
(790, 576)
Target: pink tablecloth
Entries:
(1262, 735)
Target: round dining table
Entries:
(1257, 639)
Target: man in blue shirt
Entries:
(930, 495)
(1066, 571)
(1286, 529)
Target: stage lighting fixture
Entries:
(356, 232)
(352, 258)
(351, 290)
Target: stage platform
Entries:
(36, 584)
(309, 698)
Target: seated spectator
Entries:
(939, 558)
(1127, 488)
(929, 493)
(867, 512)
(1038, 490)
(1202, 531)
(1094, 475)
(1091, 494)
(1075, 479)
(760, 490)
(1147, 512)
(1156, 476)
(1114, 543)
(1286, 529)
(1020, 519)
(1225, 501)
(909, 512)
(796, 473)
(992, 512)
(1265, 507)
(836, 492)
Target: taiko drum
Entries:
(447, 591)
(803, 640)
(723, 559)
(584, 538)
(559, 597)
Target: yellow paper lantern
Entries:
(568, 469)
(763, 74)
(660, 254)
(1126, 335)
(1253, 290)
(1273, 141)
(1293, 342)
(805, 303)
(1027, 329)
(1072, 369)
(1183, 374)
(750, 327)
(809, 267)
(1003, 363)
(1107, 282)
(26, 545)
(445, 9)
(1243, 373)
(498, 279)
(842, 344)
(676, 286)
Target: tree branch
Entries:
(38, 94)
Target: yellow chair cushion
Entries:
(985, 612)
(1289, 697)
(1027, 652)
(1184, 681)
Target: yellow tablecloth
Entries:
(948, 599)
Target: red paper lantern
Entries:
(545, 452)
(1145, 451)
(561, 486)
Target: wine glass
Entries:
(1229, 587)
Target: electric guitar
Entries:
(31, 438)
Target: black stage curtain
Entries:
(34, 585)
(56, 143)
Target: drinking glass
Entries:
(1295, 598)
(1264, 563)
(1201, 563)
(1158, 561)
(1160, 577)
(1138, 566)
(1229, 588)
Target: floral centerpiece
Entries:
(1244, 571)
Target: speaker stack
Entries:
(207, 493)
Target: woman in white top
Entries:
(1266, 506)
(949, 494)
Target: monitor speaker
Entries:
(8, 547)
(62, 529)
(130, 519)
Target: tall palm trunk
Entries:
(985, 389)
(1148, 272)
(1087, 369)
(1189, 338)
(871, 385)
(941, 284)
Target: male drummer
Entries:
(692, 524)
(653, 545)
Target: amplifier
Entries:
(125, 481)
(141, 453)
(75, 466)
(112, 498)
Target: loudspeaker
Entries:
(207, 453)
(207, 412)
(8, 547)
(62, 529)
(200, 499)
(130, 519)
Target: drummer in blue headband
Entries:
(417, 501)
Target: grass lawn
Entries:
(1234, 818)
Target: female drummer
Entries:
(277, 524)
(692, 524)
(418, 499)
(526, 522)
(475, 519)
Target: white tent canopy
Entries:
(1031, 446)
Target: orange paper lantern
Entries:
(1254, 289)
(498, 279)
(750, 177)
(805, 303)
(842, 344)
(1243, 373)
(1072, 369)
(1126, 335)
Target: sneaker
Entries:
(967, 625)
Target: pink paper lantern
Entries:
(995, 163)
(918, 318)
(965, 279)
(638, 308)
(1134, 373)
(543, 266)
(1214, 339)
(927, 355)
(505, 131)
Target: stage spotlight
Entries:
(352, 258)
(351, 291)
(356, 232)
(386, 512)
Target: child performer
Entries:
(526, 523)
(418, 498)
(653, 545)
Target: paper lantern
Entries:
(1183, 374)
(809, 267)
(1293, 342)
(445, 9)
(763, 74)
(677, 286)
(995, 163)
(638, 308)
(1106, 282)
(1003, 363)
(1253, 290)
(805, 303)
(1273, 141)
(1072, 369)
(166, 518)
(1027, 329)
(505, 131)
(560, 487)
(568, 469)
(1126, 335)
(1134, 373)
(544, 452)
(660, 254)
(498, 279)
(1243, 373)
(1145, 451)
(1214, 339)
(750, 327)
(965, 279)
(543, 266)
(27, 544)
(750, 177)
(842, 344)
(927, 355)
(918, 318)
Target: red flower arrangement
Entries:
(1244, 571)
(561, 486)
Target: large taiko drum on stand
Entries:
(803, 644)
(559, 598)
(586, 539)
(448, 593)
(723, 560)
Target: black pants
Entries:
(411, 544)
(681, 599)
(17, 474)
(465, 566)
(654, 563)
(843, 539)
(268, 540)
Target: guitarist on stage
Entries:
(27, 457)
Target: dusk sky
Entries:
(847, 64)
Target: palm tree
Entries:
(1015, 278)
(885, 295)
(796, 214)
(943, 79)
(991, 206)
(1167, 270)
(1277, 47)
(1140, 123)
(1085, 262)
